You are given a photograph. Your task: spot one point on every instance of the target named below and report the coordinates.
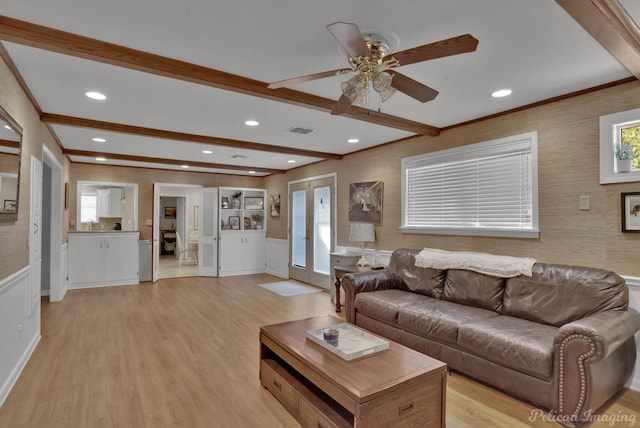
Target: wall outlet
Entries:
(585, 203)
(149, 222)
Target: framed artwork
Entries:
(224, 202)
(234, 222)
(169, 212)
(275, 206)
(66, 196)
(631, 212)
(253, 203)
(247, 223)
(10, 206)
(365, 202)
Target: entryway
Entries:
(312, 229)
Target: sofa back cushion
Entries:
(474, 289)
(406, 276)
(559, 294)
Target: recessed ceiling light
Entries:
(353, 140)
(98, 140)
(292, 161)
(101, 159)
(252, 123)
(252, 172)
(8, 127)
(184, 166)
(501, 93)
(96, 95)
(207, 152)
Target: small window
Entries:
(487, 189)
(89, 205)
(620, 134)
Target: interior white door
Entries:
(35, 237)
(208, 232)
(156, 233)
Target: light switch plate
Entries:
(585, 203)
(149, 222)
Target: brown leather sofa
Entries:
(562, 339)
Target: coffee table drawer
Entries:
(279, 383)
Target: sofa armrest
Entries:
(594, 357)
(607, 330)
(361, 282)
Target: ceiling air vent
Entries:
(301, 130)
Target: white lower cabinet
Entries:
(103, 258)
(242, 253)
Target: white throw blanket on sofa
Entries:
(489, 264)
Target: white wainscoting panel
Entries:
(19, 332)
(278, 257)
(64, 271)
(634, 302)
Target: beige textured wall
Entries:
(568, 164)
(16, 255)
(145, 178)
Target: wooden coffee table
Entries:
(395, 387)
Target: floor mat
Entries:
(290, 288)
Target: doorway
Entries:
(52, 215)
(175, 213)
(312, 229)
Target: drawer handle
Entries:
(405, 408)
(277, 385)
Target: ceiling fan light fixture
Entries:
(355, 90)
(381, 83)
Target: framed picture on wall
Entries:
(365, 202)
(169, 212)
(631, 212)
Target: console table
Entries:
(339, 272)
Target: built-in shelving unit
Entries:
(242, 237)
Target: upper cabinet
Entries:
(108, 203)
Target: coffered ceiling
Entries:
(183, 77)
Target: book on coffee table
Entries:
(353, 342)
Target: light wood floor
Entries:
(184, 353)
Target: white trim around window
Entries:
(610, 126)
(483, 189)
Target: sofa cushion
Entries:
(407, 276)
(558, 294)
(474, 289)
(439, 319)
(385, 304)
(520, 344)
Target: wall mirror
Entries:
(10, 145)
(104, 206)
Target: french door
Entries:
(312, 217)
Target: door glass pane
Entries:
(298, 229)
(322, 229)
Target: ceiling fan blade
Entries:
(307, 78)
(342, 105)
(447, 47)
(413, 88)
(350, 38)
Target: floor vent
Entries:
(301, 130)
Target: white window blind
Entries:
(483, 189)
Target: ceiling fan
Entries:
(370, 62)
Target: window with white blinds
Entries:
(485, 189)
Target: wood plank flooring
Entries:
(184, 353)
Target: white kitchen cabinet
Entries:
(108, 204)
(242, 242)
(103, 258)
